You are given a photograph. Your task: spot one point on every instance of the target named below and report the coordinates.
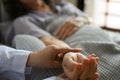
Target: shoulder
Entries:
(23, 19)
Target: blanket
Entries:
(92, 40)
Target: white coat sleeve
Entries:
(13, 60)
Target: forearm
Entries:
(49, 40)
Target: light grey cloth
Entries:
(95, 40)
(27, 42)
(92, 40)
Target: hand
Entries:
(70, 27)
(93, 61)
(77, 67)
(72, 65)
(47, 58)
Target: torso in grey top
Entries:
(41, 24)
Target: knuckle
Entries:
(53, 46)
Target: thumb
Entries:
(65, 50)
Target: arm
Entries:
(49, 56)
(24, 26)
(50, 40)
(13, 62)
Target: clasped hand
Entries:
(79, 67)
(76, 66)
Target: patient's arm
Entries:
(77, 67)
(50, 40)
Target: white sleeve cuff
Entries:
(13, 60)
(19, 61)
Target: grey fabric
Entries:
(27, 42)
(95, 40)
(92, 40)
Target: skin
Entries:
(47, 57)
(79, 67)
(50, 40)
(38, 5)
(76, 66)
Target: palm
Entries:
(72, 65)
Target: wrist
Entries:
(48, 40)
(31, 60)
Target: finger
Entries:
(93, 67)
(97, 59)
(95, 77)
(61, 52)
(63, 75)
(59, 30)
(85, 73)
(66, 32)
(66, 27)
(72, 31)
(77, 72)
(91, 55)
(62, 30)
(66, 50)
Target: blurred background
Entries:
(104, 13)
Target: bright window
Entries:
(110, 14)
